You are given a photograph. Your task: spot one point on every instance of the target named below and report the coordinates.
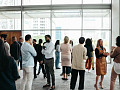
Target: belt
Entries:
(49, 58)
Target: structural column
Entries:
(115, 20)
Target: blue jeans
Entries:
(42, 66)
(57, 59)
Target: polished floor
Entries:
(64, 85)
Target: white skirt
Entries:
(117, 67)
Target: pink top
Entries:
(66, 50)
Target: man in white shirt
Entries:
(48, 50)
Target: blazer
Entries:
(79, 55)
(20, 47)
(15, 50)
(39, 56)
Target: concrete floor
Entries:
(64, 85)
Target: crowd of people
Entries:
(27, 54)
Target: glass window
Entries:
(96, 19)
(10, 2)
(66, 19)
(73, 35)
(107, 1)
(107, 20)
(36, 19)
(98, 34)
(37, 34)
(96, 1)
(66, 1)
(36, 2)
(10, 20)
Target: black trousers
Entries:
(74, 78)
(65, 69)
(35, 66)
(49, 65)
(43, 68)
(21, 64)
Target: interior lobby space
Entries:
(93, 19)
(65, 85)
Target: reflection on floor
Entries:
(64, 85)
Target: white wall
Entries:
(115, 20)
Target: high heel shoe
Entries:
(101, 85)
(96, 87)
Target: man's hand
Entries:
(31, 44)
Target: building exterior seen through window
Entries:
(90, 23)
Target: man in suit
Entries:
(20, 59)
(35, 58)
(15, 50)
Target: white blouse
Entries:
(58, 48)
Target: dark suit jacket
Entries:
(39, 56)
(15, 50)
(8, 77)
(20, 47)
